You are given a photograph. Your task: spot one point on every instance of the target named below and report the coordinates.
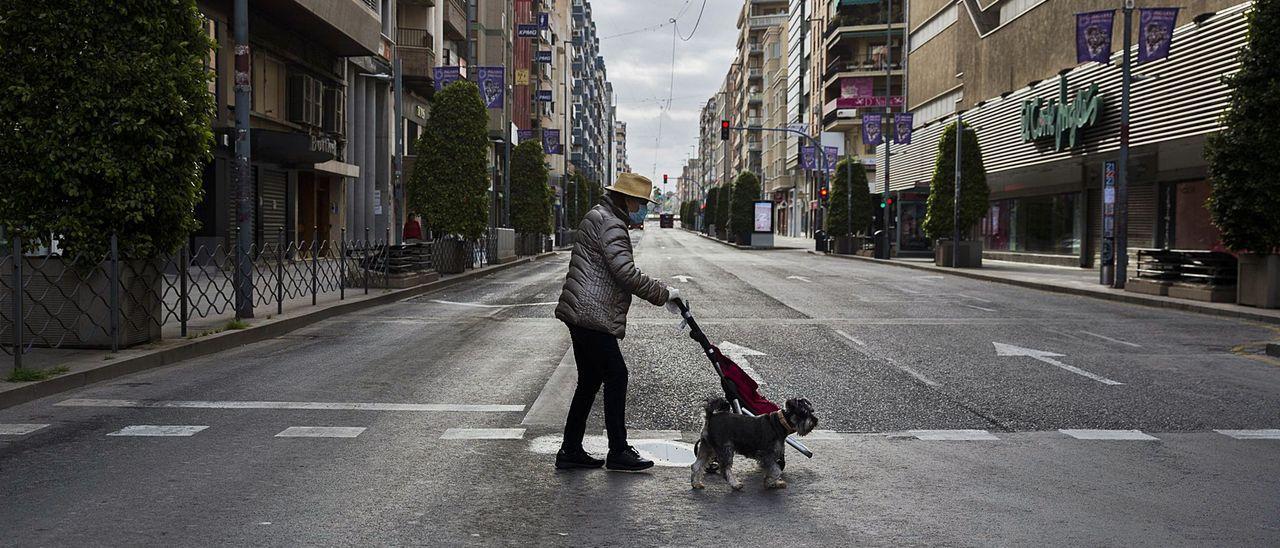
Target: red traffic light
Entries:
(724, 130)
(664, 178)
(822, 192)
(889, 201)
(724, 124)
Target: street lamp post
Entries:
(884, 252)
(955, 210)
(1122, 169)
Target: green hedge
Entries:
(724, 206)
(939, 219)
(450, 181)
(107, 112)
(1244, 168)
(530, 195)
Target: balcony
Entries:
(345, 27)
(869, 64)
(455, 20)
(761, 22)
(754, 121)
(755, 98)
(417, 59)
(428, 3)
(755, 145)
(854, 18)
(755, 48)
(755, 73)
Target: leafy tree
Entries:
(724, 206)
(839, 222)
(530, 194)
(746, 189)
(106, 114)
(1244, 200)
(450, 181)
(712, 204)
(939, 221)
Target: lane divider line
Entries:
(153, 430)
(1106, 338)
(483, 434)
(19, 429)
(1088, 434)
(905, 369)
(480, 305)
(1262, 434)
(321, 432)
(299, 405)
(952, 435)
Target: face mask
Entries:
(639, 215)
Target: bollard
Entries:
(280, 256)
(364, 270)
(342, 266)
(386, 262)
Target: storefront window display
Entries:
(1047, 224)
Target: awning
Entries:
(289, 147)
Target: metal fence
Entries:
(51, 299)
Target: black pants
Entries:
(599, 362)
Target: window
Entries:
(933, 27)
(306, 97)
(268, 77)
(411, 138)
(938, 108)
(334, 116)
(1035, 224)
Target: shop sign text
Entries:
(1059, 119)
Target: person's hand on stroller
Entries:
(673, 295)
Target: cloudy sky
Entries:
(639, 65)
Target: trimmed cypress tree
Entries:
(839, 222)
(713, 195)
(746, 190)
(106, 113)
(450, 181)
(724, 205)
(1244, 200)
(939, 221)
(530, 203)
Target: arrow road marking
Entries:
(682, 278)
(1106, 338)
(801, 278)
(1048, 357)
(739, 355)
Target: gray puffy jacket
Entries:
(602, 275)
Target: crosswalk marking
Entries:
(321, 432)
(652, 434)
(1263, 434)
(483, 434)
(953, 435)
(302, 405)
(151, 430)
(1087, 434)
(20, 429)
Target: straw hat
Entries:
(631, 184)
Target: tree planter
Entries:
(69, 307)
(452, 256)
(848, 245)
(970, 254)
(1258, 280)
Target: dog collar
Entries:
(782, 419)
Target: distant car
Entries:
(635, 226)
(667, 220)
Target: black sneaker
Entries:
(627, 460)
(568, 459)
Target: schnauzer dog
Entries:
(762, 438)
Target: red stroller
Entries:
(739, 388)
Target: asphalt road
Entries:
(929, 434)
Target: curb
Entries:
(188, 349)
(735, 246)
(1187, 306)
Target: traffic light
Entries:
(885, 203)
(664, 179)
(724, 130)
(822, 192)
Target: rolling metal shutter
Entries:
(272, 185)
(1142, 215)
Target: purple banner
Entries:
(544, 20)
(902, 126)
(446, 75)
(872, 133)
(896, 101)
(493, 85)
(833, 155)
(808, 160)
(1155, 32)
(551, 141)
(523, 135)
(1093, 36)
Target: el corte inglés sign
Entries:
(1059, 119)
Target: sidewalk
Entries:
(779, 242)
(90, 366)
(1073, 281)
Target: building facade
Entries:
(1047, 181)
(621, 165)
(592, 132)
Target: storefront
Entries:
(1045, 146)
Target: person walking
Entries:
(593, 304)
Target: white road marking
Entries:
(739, 356)
(975, 307)
(650, 434)
(662, 452)
(801, 278)
(1106, 338)
(905, 290)
(483, 434)
(682, 278)
(321, 432)
(930, 277)
(953, 435)
(822, 435)
(304, 405)
(479, 305)
(1047, 357)
(851, 338)
(905, 369)
(158, 430)
(972, 298)
(1263, 434)
(1087, 434)
(20, 429)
